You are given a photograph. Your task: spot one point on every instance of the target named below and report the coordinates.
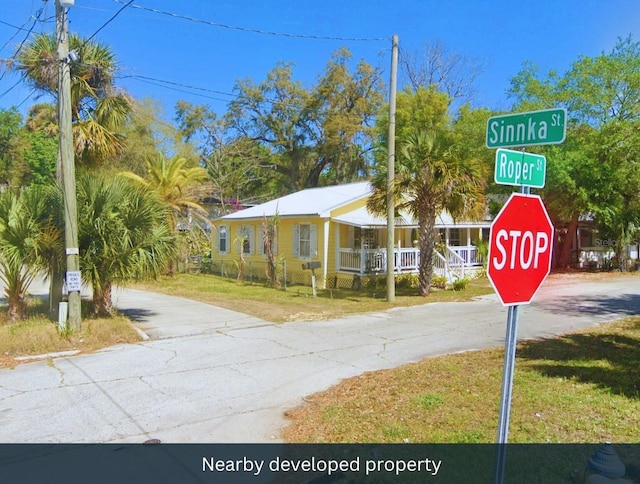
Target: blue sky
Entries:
(499, 34)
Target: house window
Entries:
(454, 238)
(223, 239)
(364, 239)
(305, 241)
(262, 242)
(245, 233)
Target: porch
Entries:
(456, 261)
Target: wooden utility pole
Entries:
(391, 150)
(65, 152)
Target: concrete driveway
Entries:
(213, 375)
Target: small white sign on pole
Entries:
(74, 281)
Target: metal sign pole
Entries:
(507, 381)
(507, 387)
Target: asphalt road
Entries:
(212, 375)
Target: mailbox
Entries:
(311, 265)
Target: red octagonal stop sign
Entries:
(520, 248)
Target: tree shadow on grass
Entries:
(610, 361)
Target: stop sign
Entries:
(520, 247)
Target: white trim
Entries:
(325, 255)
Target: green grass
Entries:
(583, 387)
(297, 303)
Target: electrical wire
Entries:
(107, 22)
(29, 31)
(178, 84)
(18, 29)
(161, 83)
(10, 89)
(254, 31)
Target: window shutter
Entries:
(296, 241)
(313, 242)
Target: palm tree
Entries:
(123, 235)
(98, 109)
(28, 236)
(175, 183)
(430, 178)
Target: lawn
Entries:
(296, 303)
(582, 387)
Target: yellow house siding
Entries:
(349, 207)
(285, 246)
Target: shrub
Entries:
(407, 281)
(439, 282)
(460, 284)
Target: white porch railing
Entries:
(367, 261)
(469, 254)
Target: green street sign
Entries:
(546, 127)
(520, 168)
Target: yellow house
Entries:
(331, 226)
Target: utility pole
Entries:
(65, 152)
(391, 150)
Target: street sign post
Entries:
(520, 247)
(543, 127)
(520, 169)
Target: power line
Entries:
(255, 31)
(169, 84)
(33, 91)
(10, 89)
(178, 84)
(13, 57)
(108, 21)
(18, 29)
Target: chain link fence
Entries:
(286, 276)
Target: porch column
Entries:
(468, 236)
(325, 257)
(338, 260)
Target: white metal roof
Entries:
(362, 218)
(320, 201)
(310, 202)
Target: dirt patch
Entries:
(571, 277)
(307, 316)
